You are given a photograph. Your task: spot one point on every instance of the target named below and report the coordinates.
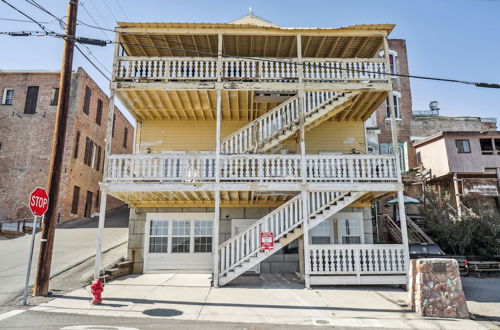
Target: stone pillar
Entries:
(436, 289)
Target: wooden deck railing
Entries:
(373, 259)
(251, 168)
(133, 68)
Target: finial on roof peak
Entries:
(250, 11)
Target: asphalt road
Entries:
(74, 243)
(22, 319)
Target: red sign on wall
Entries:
(267, 241)
(39, 202)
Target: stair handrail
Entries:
(260, 221)
(412, 224)
(263, 117)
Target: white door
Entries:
(240, 225)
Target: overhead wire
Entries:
(211, 53)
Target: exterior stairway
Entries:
(415, 233)
(282, 122)
(242, 252)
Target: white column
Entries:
(395, 147)
(303, 168)
(100, 232)
(215, 245)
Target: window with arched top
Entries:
(393, 60)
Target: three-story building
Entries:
(246, 128)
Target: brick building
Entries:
(27, 118)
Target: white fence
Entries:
(357, 259)
(133, 68)
(248, 168)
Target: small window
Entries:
(393, 60)
(397, 112)
(31, 99)
(8, 96)
(76, 197)
(98, 114)
(158, 236)
(321, 233)
(497, 145)
(486, 146)
(97, 206)
(202, 236)
(86, 101)
(55, 97)
(463, 146)
(181, 237)
(125, 137)
(98, 161)
(113, 127)
(350, 231)
(89, 152)
(77, 145)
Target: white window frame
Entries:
(320, 229)
(170, 217)
(4, 96)
(397, 106)
(395, 60)
(351, 216)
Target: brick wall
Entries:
(27, 142)
(427, 126)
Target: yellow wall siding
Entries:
(334, 136)
(170, 135)
(165, 135)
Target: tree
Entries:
(471, 234)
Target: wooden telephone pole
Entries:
(41, 286)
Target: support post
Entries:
(41, 285)
(30, 259)
(100, 233)
(303, 167)
(215, 245)
(395, 147)
(104, 194)
(457, 195)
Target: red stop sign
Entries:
(39, 202)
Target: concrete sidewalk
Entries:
(271, 299)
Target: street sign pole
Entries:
(26, 284)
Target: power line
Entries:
(121, 9)
(211, 53)
(93, 64)
(19, 20)
(92, 18)
(109, 9)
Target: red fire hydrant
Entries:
(96, 288)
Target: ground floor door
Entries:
(178, 242)
(88, 205)
(238, 226)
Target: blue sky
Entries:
(458, 39)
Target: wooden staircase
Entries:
(283, 121)
(242, 252)
(415, 233)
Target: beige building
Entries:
(248, 130)
(27, 118)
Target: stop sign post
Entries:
(39, 203)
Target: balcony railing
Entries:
(251, 168)
(143, 69)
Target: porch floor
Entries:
(270, 298)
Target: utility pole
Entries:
(41, 286)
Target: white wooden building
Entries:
(247, 127)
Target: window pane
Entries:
(320, 240)
(159, 228)
(203, 244)
(181, 228)
(497, 144)
(180, 244)
(351, 240)
(158, 244)
(463, 146)
(203, 227)
(486, 146)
